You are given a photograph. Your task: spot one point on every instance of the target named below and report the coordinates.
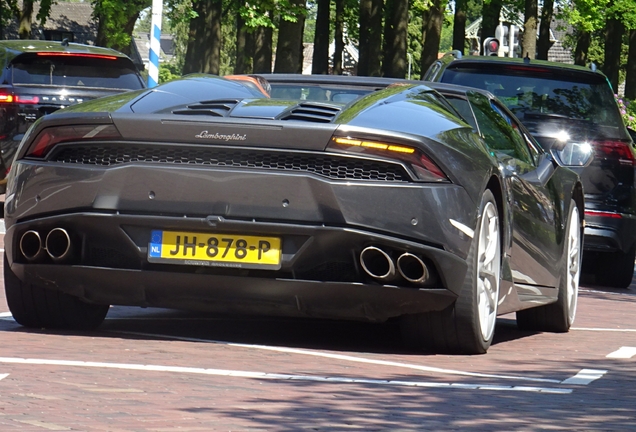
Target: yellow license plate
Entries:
(214, 249)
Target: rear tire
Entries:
(559, 316)
(37, 307)
(615, 269)
(468, 325)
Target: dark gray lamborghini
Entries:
(428, 204)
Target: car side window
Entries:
(463, 108)
(498, 129)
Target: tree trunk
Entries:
(243, 42)
(339, 42)
(583, 40)
(289, 50)
(370, 48)
(459, 26)
(491, 12)
(544, 44)
(263, 50)
(432, 32)
(630, 79)
(26, 16)
(320, 60)
(128, 29)
(395, 38)
(529, 41)
(203, 54)
(614, 30)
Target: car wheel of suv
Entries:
(615, 269)
(467, 326)
(38, 307)
(559, 316)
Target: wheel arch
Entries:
(495, 186)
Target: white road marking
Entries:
(3, 229)
(585, 376)
(603, 329)
(623, 353)
(276, 376)
(2, 376)
(49, 426)
(348, 358)
(6, 315)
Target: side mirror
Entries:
(573, 154)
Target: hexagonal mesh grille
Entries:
(333, 167)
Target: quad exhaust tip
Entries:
(31, 246)
(412, 268)
(58, 244)
(377, 263)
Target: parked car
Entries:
(557, 102)
(204, 194)
(39, 77)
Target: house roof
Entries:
(65, 16)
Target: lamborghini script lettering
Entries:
(218, 136)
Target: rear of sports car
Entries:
(240, 205)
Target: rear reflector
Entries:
(49, 137)
(610, 215)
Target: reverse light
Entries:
(422, 166)
(49, 137)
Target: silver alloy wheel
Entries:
(573, 262)
(488, 269)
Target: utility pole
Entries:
(155, 43)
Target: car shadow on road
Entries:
(332, 335)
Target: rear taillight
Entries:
(422, 165)
(49, 137)
(620, 150)
(8, 98)
(27, 99)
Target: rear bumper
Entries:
(230, 294)
(609, 232)
(320, 274)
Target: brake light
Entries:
(49, 137)
(620, 150)
(69, 54)
(423, 166)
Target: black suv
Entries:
(39, 77)
(560, 102)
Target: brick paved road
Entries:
(161, 370)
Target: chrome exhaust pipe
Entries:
(377, 263)
(412, 268)
(31, 246)
(58, 244)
